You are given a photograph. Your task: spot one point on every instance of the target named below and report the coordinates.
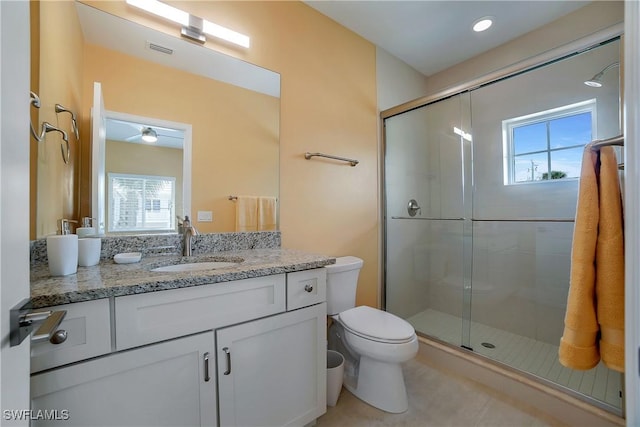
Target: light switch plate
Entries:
(205, 216)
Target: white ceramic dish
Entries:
(127, 258)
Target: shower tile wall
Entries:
(521, 277)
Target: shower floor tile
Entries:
(523, 353)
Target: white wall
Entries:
(397, 82)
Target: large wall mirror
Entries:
(151, 80)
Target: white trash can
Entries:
(335, 371)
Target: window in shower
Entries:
(547, 145)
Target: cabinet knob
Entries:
(308, 288)
(58, 337)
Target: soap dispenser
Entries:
(86, 228)
(89, 244)
(62, 250)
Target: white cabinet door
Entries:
(272, 371)
(166, 384)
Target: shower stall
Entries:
(480, 191)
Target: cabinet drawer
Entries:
(156, 316)
(88, 335)
(306, 288)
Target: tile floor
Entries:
(436, 398)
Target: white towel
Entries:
(247, 213)
(266, 213)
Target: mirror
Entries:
(232, 106)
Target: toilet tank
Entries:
(342, 281)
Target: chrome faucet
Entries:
(188, 233)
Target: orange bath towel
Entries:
(610, 264)
(594, 321)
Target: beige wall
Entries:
(328, 104)
(60, 83)
(234, 130)
(142, 159)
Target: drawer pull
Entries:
(308, 288)
(207, 377)
(228, 353)
(58, 337)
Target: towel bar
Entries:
(598, 143)
(352, 162)
(232, 198)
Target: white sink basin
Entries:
(195, 266)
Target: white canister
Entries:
(89, 251)
(62, 251)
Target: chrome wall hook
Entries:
(35, 102)
(74, 122)
(48, 127)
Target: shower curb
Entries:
(532, 396)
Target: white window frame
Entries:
(110, 200)
(588, 106)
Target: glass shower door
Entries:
(427, 228)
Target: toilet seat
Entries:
(377, 325)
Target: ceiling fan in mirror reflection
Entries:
(140, 133)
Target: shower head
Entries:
(596, 81)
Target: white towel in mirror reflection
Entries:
(255, 213)
(266, 213)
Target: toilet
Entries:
(374, 343)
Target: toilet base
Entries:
(381, 385)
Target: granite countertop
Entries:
(109, 279)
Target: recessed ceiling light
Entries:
(482, 24)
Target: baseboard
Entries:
(535, 397)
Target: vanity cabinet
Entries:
(276, 362)
(165, 384)
(249, 352)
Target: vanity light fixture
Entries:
(149, 135)
(193, 27)
(596, 81)
(482, 24)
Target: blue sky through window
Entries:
(555, 144)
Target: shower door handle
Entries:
(413, 207)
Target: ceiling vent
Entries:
(159, 48)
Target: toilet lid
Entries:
(377, 324)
